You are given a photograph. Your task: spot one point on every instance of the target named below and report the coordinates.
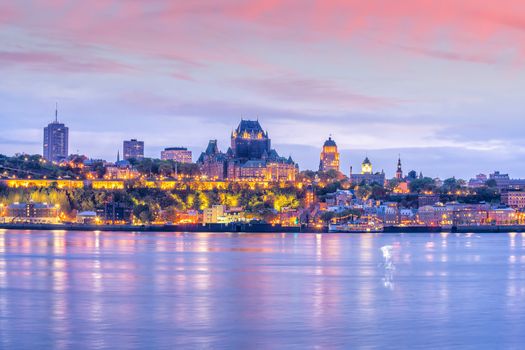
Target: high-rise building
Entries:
(178, 154)
(56, 139)
(133, 149)
(399, 171)
(329, 156)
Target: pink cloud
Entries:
(452, 56)
(315, 91)
(51, 61)
(223, 31)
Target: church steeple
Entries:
(399, 172)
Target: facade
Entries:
(56, 141)
(133, 149)
(177, 154)
(513, 199)
(249, 158)
(329, 156)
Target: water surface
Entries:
(107, 290)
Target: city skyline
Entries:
(437, 84)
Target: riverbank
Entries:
(255, 228)
(232, 227)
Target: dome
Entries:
(366, 161)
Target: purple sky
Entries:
(440, 82)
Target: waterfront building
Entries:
(329, 156)
(249, 158)
(213, 215)
(513, 199)
(367, 176)
(56, 140)
(133, 149)
(177, 154)
(34, 213)
(87, 218)
(114, 213)
(502, 216)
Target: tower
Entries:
(56, 140)
(329, 156)
(399, 171)
(250, 141)
(366, 167)
(133, 149)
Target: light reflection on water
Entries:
(129, 290)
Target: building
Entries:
(177, 154)
(513, 199)
(367, 176)
(87, 218)
(114, 213)
(329, 156)
(504, 182)
(56, 140)
(34, 213)
(249, 158)
(133, 149)
(479, 181)
(212, 162)
(213, 215)
(427, 199)
(366, 167)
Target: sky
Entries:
(441, 83)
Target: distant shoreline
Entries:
(255, 228)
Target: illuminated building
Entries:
(56, 139)
(250, 158)
(367, 176)
(177, 154)
(514, 199)
(329, 156)
(133, 149)
(213, 162)
(212, 215)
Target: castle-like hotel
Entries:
(249, 157)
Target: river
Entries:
(109, 290)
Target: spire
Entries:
(56, 112)
(118, 156)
